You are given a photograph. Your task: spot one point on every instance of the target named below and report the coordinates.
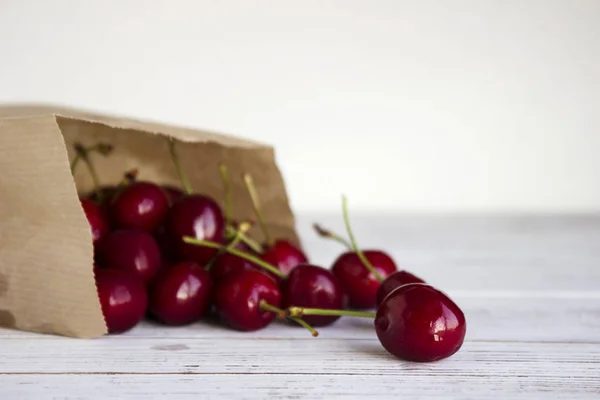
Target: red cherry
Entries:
(173, 193)
(141, 205)
(227, 265)
(237, 300)
(133, 250)
(313, 287)
(199, 217)
(284, 255)
(180, 294)
(394, 281)
(359, 284)
(96, 219)
(417, 322)
(123, 299)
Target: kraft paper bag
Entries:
(46, 256)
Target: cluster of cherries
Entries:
(175, 256)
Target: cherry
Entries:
(173, 193)
(131, 249)
(281, 253)
(394, 281)
(196, 216)
(180, 294)
(284, 255)
(269, 270)
(123, 299)
(141, 205)
(313, 286)
(96, 219)
(360, 273)
(228, 264)
(359, 283)
(417, 322)
(238, 300)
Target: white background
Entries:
(402, 105)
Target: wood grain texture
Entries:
(529, 286)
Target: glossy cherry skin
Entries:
(313, 287)
(180, 294)
(227, 265)
(394, 281)
(199, 217)
(237, 300)
(284, 255)
(359, 284)
(131, 249)
(173, 193)
(123, 298)
(141, 205)
(417, 322)
(96, 219)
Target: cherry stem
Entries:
(281, 313)
(227, 188)
(83, 155)
(182, 176)
(300, 311)
(235, 252)
(256, 204)
(358, 252)
(244, 227)
(330, 235)
(102, 148)
(230, 231)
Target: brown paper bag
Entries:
(46, 279)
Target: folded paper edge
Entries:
(184, 134)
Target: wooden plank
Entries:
(542, 253)
(298, 386)
(501, 318)
(310, 356)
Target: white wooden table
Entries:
(530, 288)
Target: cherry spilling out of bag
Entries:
(175, 256)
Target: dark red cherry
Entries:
(237, 300)
(141, 205)
(199, 217)
(180, 294)
(130, 249)
(417, 322)
(359, 284)
(227, 265)
(96, 219)
(284, 255)
(311, 286)
(173, 193)
(394, 281)
(123, 299)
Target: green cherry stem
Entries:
(301, 311)
(102, 148)
(359, 253)
(326, 233)
(268, 307)
(249, 182)
(230, 231)
(83, 154)
(227, 189)
(235, 252)
(176, 161)
(243, 228)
